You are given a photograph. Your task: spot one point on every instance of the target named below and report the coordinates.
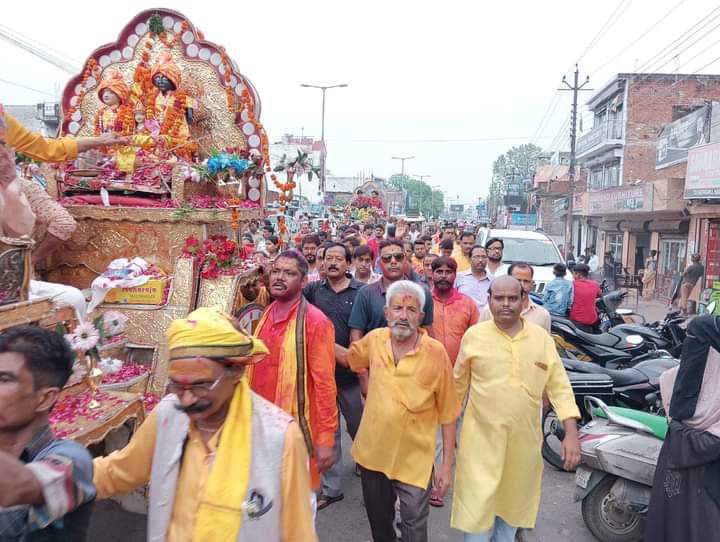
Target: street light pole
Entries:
(322, 129)
(402, 166)
(433, 189)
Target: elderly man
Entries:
(46, 487)
(532, 312)
(222, 462)
(299, 373)
(410, 393)
(475, 282)
(503, 368)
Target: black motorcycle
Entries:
(636, 387)
(621, 346)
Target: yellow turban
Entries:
(166, 66)
(210, 333)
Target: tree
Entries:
(419, 195)
(511, 169)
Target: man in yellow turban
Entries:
(223, 464)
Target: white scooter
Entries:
(619, 452)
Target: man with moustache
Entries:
(410, 394)
(334, 296)
(475, 282)
(495, 267)
(298, 374)
(368, 311)
(222, 462)
(503, 368)
(309, 246)
(461, 253)
(420, 251)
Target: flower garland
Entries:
(91, 69)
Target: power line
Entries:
(676, 55)
(605, 28)
(636, 40)
(696, 72)
(27, 88)
(461, 140)
(682, 38)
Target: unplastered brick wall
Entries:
(649, 106)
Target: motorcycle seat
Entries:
(657, 424)
(602, 339)
(620, 377)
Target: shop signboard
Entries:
(632, 199)
(457, 208)
(523, 219)
(702, 179)
(677, 137)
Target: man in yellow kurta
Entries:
(462, 250)
(223, 464)
(506, 364)
(409, 395)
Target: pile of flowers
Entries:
(215, 256)
(73, 406)
(125, 373)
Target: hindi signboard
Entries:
(677, 137)
(702, 179)
(630, 199)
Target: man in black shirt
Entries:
(335, 296)
(692, 274)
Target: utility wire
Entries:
(636, 40)
(676, 55)
(27, 88)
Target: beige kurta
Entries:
(499, 464)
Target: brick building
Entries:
(635, 160)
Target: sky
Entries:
(452, 83)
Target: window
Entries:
(615, 245)
(606, 176)
(672, 256)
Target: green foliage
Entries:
(428, 201)
(156, 24)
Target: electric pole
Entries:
(575, 88)
(402, 164)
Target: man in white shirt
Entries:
(495, 266)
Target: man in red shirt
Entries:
(301, 341)
(585, 291)
(374, 242)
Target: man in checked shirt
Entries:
(46, 488)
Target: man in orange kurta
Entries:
(289, 337)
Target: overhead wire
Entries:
(27, 88)
(658, 67)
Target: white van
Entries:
(531, 247)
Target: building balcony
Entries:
(602, 138)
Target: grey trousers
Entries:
(349, 403)
(380, 493)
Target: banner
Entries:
(677, 137)
(702, 179)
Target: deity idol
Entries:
(115, 115)
(170, 107)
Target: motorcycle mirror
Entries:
(634, 339)
(710, 308)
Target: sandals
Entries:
(323, 501)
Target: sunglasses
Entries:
(399, 256)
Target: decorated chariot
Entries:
(158, 216)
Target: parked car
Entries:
(532, 247)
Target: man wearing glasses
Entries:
(368, 311)
(222, 462)
(495, 266)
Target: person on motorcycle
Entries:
(583, 312)
(503, 368)
(558, 293)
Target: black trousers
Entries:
(380, 493)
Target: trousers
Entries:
(501, 532)
(380, 493)
(349, 403)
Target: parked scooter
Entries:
(619, 452)
(636, 388)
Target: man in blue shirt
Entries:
(558, 294)
(46, 488)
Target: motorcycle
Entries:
(619, 451)
(636, 388)
(617, 348)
